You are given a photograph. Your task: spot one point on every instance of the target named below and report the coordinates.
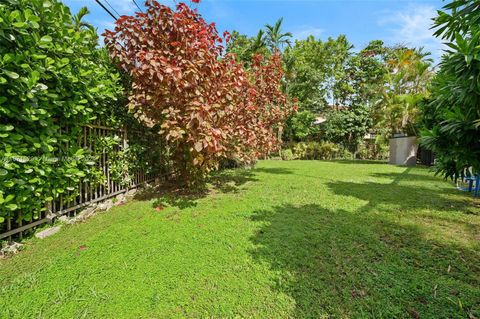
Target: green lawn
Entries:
(304, 239)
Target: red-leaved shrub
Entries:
(207, 105)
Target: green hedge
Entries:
(325, 150)
(53, 80)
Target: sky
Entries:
(393, 21)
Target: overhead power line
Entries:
(104, 8)
(118, 14)
(137, 5)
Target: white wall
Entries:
(403, 151)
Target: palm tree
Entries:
(275, 39)
(407, 85)
(289, 68)
(77, 19)
(258, 42)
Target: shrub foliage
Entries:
(53, 80)
(452, 117)
(209, 107)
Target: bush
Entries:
(343, 153)
(287, 155)
(301, 126)
(316, 150)
(300, 150)
(53, 80)
(208, 105)
(363, 152)
(328, 151)
(451, 117)
(372, 151)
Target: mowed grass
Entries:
(303, 239)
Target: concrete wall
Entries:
(403, 151)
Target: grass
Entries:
(301, 239)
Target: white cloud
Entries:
(305, 31)
(412, 26)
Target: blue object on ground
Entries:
(473, 185)
(470, 180)
(476, 192)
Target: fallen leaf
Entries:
(413, 313)
(358, 293)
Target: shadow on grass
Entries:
(168, 193)
(274, 170)
(394, 196)
(337, 264)
(408, 177)
(357, 161)
(229, 181)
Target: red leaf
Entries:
(205, 102)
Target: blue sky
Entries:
(393, 21)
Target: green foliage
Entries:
(53, 81)
(408, 75)
(318, 71)
(388, 81)
(143, 152)
(316, 151)
(312, 69)
(348, 126)
(363, 77)
(245, 48)
(301, 127)
(372, 151)
(287, 154)
(300, 150)
(268, 41)
(275, 38)
(452, 119)
(330, 70)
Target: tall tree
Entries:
(408, 73)
(275, 38)
(245, 48)
(348, 126)
(357, 80)
(78, 19)
(258, 43)
(310, 71)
